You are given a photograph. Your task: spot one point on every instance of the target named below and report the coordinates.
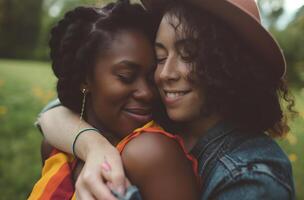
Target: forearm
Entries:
(60, 127)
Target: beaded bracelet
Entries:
(77, 136)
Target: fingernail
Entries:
(106, 166)
(121, 190)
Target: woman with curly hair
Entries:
(220, 76)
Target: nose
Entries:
(169, 71)
(145, 91)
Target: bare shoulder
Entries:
(154, 148)
(158, 165)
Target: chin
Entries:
(178, 116)
(181, 115)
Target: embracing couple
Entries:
(177, 101)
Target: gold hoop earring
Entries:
(84, 92)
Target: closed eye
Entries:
(160, 60)
(127, 78)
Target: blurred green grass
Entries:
(26, 86)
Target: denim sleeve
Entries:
(253, 186)
(52, 104)
(132, 193)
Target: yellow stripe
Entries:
(51, 167)
(148, 125)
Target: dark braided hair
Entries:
(82, 36)
(236, 82)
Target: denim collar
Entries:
(213, 134)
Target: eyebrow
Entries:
(129, 64)
(134, 65)
(183, 41)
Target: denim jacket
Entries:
(234, 165)
(245, 166)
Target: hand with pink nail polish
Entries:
(102, 172)
(106, 166)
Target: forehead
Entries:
(131, 46)
(174, 27)
(128, 41)
(170, 27)
(128, 44)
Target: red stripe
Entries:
(55, 181)
(65, 190)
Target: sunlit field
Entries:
(26, 86)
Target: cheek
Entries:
(108, 100)
(199, 102)
(112, 94)
(108, 93)
(186, 71)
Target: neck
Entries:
(92, 119)
(192, 131)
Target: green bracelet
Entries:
(78, 134)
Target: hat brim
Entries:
(251, 31)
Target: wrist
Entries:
(88, 143)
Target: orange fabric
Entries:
(154, 128)
(56, 180)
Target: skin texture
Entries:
(119, 91)
(89, 147)
(179, 88)
(182, 98)
(119, 98)
(164, 173)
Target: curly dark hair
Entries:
(82, 36)
(237, 83)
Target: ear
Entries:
(86, 84)
(84, 88)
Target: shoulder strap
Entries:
(153, 128)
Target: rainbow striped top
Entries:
(56, 182)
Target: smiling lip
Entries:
(173, 96)
(141, 115)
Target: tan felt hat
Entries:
(244, 17)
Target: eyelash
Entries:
(186, 59)
(125, 79)
(160, 60)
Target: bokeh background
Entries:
(27, 83)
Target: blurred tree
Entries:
(53, 11)
(25, 25)
(290, 38)
(292, 42)
(271, 11)
(19, 27)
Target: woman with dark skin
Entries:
(221, 86)
(103, 59)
